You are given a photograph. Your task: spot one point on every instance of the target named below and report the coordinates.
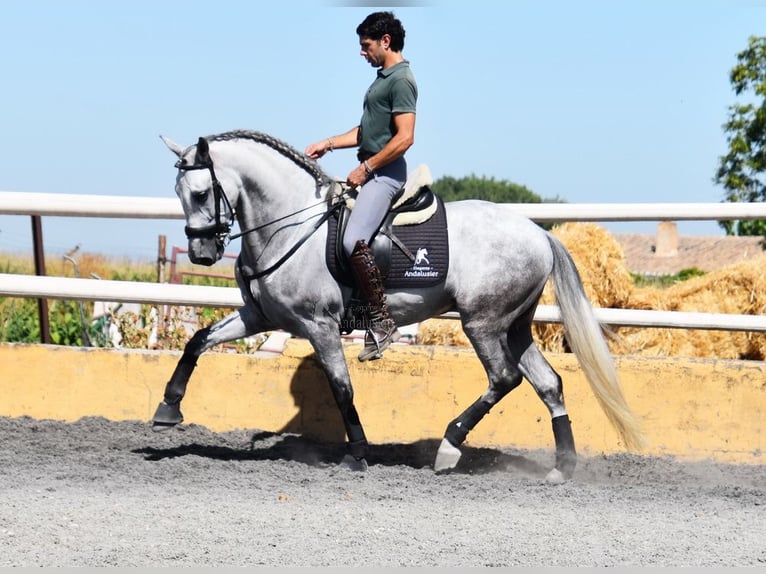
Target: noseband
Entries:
(219, 231)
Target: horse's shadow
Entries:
(297, 448)
(316, 436)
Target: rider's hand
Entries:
(317, 150)
(357, 177)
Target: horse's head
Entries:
(209, 215)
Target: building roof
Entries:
(667, 254)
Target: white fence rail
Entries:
(170, 294)
(125, 207)
(67, 205)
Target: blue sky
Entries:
(592, 101)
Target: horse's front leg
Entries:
(241, 323)
(329, 351)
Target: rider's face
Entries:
(374, 51)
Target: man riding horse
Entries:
(385, 132)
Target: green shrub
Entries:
(19, 321)
(664, 281)
(71, 323)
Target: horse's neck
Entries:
(274, 187)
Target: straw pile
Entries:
(604, 273)
(442, 332)
(738, 289)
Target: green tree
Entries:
(472, 187)
(742, 171)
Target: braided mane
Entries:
(299, 159)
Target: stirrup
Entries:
(378, 339)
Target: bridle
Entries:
(219, 231)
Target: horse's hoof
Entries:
(161, 427)
(555, 476)
(166, 416)
(351, 463)
(447, 457)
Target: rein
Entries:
(257, 275)
(273, 221)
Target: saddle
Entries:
(414, 203)
(410, 247)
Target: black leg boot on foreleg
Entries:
(358, 447)
(168, 413)
(340, 387)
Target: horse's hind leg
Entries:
(507, 358)
(234, 326)
(504, 376)
(548, 386)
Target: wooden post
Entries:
(161, 262)
(42, 304)
(161, 259)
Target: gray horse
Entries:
(499, 264)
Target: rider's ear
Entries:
(203, 151)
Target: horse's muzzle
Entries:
(207, 244)
(205, 251)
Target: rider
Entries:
(386, 131)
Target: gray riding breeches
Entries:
(373, 202)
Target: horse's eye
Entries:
(200, 196)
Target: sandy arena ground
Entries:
(100, 493)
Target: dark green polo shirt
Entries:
(394, 91)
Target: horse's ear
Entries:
(173, 146)
(203, 151)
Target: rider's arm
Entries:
(348, 139)
(398, 145)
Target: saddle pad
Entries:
(426, 241)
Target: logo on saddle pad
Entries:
(421, 266)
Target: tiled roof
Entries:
(705, 253)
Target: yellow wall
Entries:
(691, 409)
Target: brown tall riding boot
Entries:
(382, 330)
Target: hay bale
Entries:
(606, 279)
(736, 289)
(601, 262)
(603, 270)
(447, 332)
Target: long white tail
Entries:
(586, 339)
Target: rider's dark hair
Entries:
(379, 23)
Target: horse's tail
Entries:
(585, 337)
